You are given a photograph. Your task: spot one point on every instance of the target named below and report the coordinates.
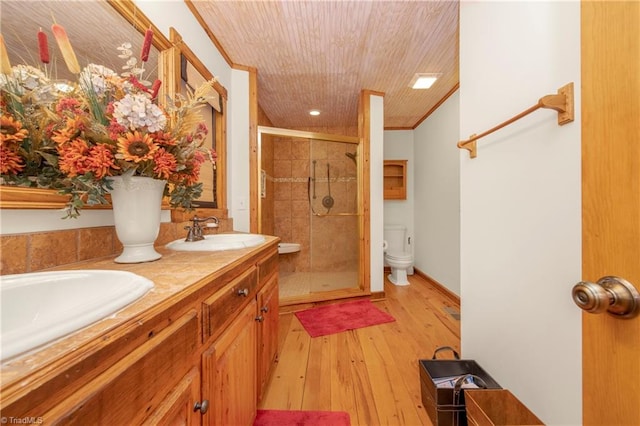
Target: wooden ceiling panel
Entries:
(309, 54)
(321, 54)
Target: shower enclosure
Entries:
(309, 196)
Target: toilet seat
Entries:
(399, 256)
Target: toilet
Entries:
(286, 248)
(396, 254)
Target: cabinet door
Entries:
(268, 316)
(177, 408)
(229, 373)
(137, 385)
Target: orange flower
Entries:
(10, 161)
(101, 160)
(136, 147)
(11, 130)
(165, 164)
(73, 158)
(77, 123)
(164, 139)
(185, 178)
(63, 136)
(73, 126)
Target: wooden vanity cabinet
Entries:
(236, 366)
(202, 358)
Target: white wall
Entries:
(520, 203)
(238, 150)
(376, 161)
(175, 13)
(437, 195)
(398, 145)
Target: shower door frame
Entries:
(363, 288)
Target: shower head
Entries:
(352, 155)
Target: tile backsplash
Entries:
(37, 251)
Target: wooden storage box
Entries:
(446, 405)
(497, 408)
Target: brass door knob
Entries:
(614, 295)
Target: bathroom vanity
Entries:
(196, 349)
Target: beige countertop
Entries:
(176, 274)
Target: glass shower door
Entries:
(333, 202)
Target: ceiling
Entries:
(321, 54)
(309, 54)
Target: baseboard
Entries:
(442, 289)
(377, 296)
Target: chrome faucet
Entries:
(195, 230)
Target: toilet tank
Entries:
(395, 236)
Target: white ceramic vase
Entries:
(137, 205)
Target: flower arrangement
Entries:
(72, 136)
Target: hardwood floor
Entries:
(372, 372)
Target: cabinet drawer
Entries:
(223, 304)
(267, 266)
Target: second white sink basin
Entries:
(218, 242)
(40, 307)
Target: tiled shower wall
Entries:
(328, 243)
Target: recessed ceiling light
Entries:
(314, 112)
(423, 81)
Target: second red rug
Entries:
(330, 319)
(299, 418)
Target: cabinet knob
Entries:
(201, 406)
(264, 309)
(243, 292)
(259, 318)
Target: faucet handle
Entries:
(192, 233)
(199, 220)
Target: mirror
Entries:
(95, 29)
(183, 72)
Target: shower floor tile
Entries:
(301, 283)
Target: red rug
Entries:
(300, 418)
(329, 319)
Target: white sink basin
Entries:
(218, 242)
(40, 307)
